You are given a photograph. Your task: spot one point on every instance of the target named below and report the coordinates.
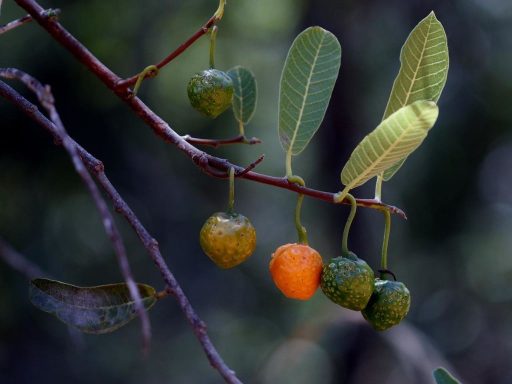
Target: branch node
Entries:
(99, 167)
(153, 243)
(51, 14)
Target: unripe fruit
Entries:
(348, 281)
(296, 270)
(228, 239)
(388, 305)
(210, 92)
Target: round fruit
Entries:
(228, 239)
(388, 305)
(210, 92)
(296, 270)
(348, 281)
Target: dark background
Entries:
(454, 251)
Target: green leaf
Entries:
(307, 81)
(423, 71)
(245, 95)
(394, 139)
(99, 309)
(442, 376)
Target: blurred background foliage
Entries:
(454, 251)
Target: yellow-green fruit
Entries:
(210, 92)
(228, 239)
(388, 305)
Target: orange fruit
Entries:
(296, 270)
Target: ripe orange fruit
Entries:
(296, 270)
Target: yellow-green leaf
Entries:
(307, 81)
(99, 309)
(395, 138)
(423, 71)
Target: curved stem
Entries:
(385, 242)
(149, 71)
(344, 244)
(220, 10)
(231, 202)
(213, 38)
(301, 230)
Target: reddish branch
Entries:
(123, 84)
(207, 162)
(151, 245)
(47, 100)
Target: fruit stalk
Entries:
(353, 207)
(213, 38)
(231, 202)
(385, 241)
(301, 230)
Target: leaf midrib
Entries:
(241, 94)
(378, 160)
(408, 94)
(90, 308)
(292, 141)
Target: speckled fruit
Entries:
(210, 92)
(348, 281)
(296, 270)
(388, 305)
(228, 239)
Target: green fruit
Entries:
(210, 92)
(348, 281)
(228, 239)
(388, 305)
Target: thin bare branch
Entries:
(151, 245)
(15, 24)
(18, 262)
(47, 100)
(216, 143)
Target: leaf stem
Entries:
(289, 173)
(231, 201)
(378, 188)
(241, 128)
(344, 244)
(385, 241)
(213, 39)
(162, 294)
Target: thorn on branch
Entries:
(250, 167)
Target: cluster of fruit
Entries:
(298, 270)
